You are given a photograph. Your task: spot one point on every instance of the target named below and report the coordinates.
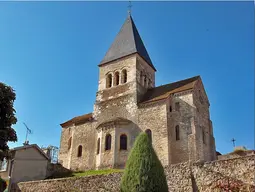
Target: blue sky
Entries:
(49, 53)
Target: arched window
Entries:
(109, 81)
(145, 81)
(123, 142)
(79, 151)
(124, 76)
(69, 143)
(108, 142)
(98, 145)
(170, 108)
(116, 78)
(141, 78)
(148, 132)
(177, 132)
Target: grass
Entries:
(96, 172)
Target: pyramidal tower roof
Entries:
(127, 42)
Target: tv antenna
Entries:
(29, 131)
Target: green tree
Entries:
(7, 119)
(143, 172)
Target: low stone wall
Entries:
(97, 183)
(57, 171)
(205, 177)
(236, 154)
(182, 177)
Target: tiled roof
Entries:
(127, 42)
(162, 92)
(78, 120)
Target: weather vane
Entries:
(129, 8)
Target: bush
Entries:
(3, 185)
(143, 172)
(239, 151)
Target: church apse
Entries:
(117, 137)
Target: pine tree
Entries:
(143, 172)
(7, 119)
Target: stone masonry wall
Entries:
(181, 177)
(153, 116)
(203, 124)
(83, 135)
(182, 149)
(64, 153)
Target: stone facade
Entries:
(127, 103)
(180, 177)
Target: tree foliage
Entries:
(143, 172)
(7, 119)
(3, 184)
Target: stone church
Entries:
(175, 116)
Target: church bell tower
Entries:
(126, 67)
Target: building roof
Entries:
(127, 42)
(162, 92)
(31, 146)
(78, 120)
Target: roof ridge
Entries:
(30, 146)
(77, 119)
(197, 76)
(162, 92)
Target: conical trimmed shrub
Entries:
(143, 171)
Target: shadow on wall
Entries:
(193, 182)
(57, 171)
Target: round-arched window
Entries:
(109, 81)
(108, 142)
(123, 142)
(124, 76)
(148, 132)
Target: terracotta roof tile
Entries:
(162, 92)
(78, 120)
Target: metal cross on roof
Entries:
(129, 7)
(233, 140)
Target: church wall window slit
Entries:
(79, 151)
(177, 132)
(98, 145)
(141, 78)
(69, 143)
(145, 81)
